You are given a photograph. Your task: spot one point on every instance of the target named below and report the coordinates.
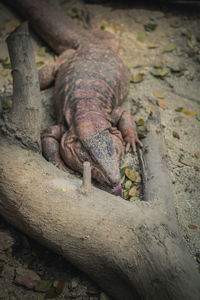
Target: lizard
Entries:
(90, 84)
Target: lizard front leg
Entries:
(51, 145)
(47, 73)
(126, 125)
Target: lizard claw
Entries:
(132, 144)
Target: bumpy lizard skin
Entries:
(91, 82)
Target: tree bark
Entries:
(25, 118)
(132, 250)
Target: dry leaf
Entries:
(64, 190)
(152, 46)
(159, 64)
(152, 107)
(133, 191)
(116, 27)
(134, 198)
(176, 135)
(192, 226)
(170, 47)
(140, 122)
(158, 94)
(188, 112)
(3, 72)
(128, 184)
(137, 78)
(197, 154)
(131, 174)
(141, 37)
(162, 103)
(42, 51)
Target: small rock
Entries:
(6, 241)
(27, 278)
(8, 273)
(44, 286)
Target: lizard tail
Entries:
(58, 30)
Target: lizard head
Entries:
(103, 150)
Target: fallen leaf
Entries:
(11, 25)
(179, 109)
(150, 26)
(140, 122)
(159, 64)
(130, 174)
(141, 133)
(123, 169)
(59, 285)
(152, 107)
(188, 112)
(138, 177)
(42, 51)
(157, 72)
(125, 194)
(152, 46)
(192, 226)
(134, 198)
(10, 78)
(64, 190)
(197, 154)
(176, 135)
(117, 27)
(39, 63)
(133, 191)
(141, 37)
(170, 47)
(6, 63)
(158, 94)
(162, 103)
(122, 179)
(3, 72)
(178, 119)
(165, 71)
(198, 117)
(128, 184)
(137, 78)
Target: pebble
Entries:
(27, 278)
(6, 241)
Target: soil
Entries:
(171, 51)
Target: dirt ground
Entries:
(161, 47)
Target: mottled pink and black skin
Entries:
(90, 83)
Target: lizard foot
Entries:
(131, 143)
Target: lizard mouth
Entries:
(106, 181)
